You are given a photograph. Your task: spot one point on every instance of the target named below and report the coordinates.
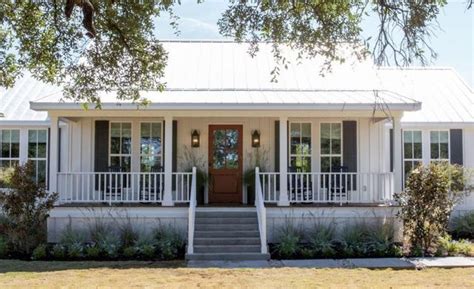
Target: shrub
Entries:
(75, 250)
(130, 252)
(288, 240)
(58, 252)
(109, 245)
(92, 251)
(462, 227)
(448, 247)
(40, 252)
(169, 242)
(146, 246)
(128, 234)
(3, 247)
(26, 205)
(320, 239)
(426, 204)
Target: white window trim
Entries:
(330, 155)
(140, 142)
(110, 142)
(10, 158)
(412, 160)
(439, 147)
(310, 154)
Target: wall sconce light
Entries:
(195, 139)
(255, 139)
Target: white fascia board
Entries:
(225, 106)
(437, 124)
(24, 123)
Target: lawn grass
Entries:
(21, 274)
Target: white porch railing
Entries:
(317, 187)
(120, 187)
(192, 213)
(261, 212)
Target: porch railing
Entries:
(192, 213)
(318, 187)
(120, 187)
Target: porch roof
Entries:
(249, 99)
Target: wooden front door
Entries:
(225, 164)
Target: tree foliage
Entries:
(26, 205)
(426, 204)
(88, 46)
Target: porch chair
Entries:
(150, 186)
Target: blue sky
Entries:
(454, 43)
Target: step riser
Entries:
(227, 257)
(226, 241)
(226, 215)
(227, 249)
(226, 234)
(225, 227)
(226, 221)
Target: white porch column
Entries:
(167, 196)
(397, 154)
(53, 154)
(283, 201)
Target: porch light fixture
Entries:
(255, 139)
(195, 139)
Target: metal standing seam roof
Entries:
(218, 74)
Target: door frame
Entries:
(211, 128)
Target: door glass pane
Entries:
(232, 159)
(232, 136)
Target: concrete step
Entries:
(218, 214)
(228, 256)
(227, 249)
(227, 241)
(211, 220)
(227, 234)
(226, 227)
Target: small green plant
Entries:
(3, 247)
(169, 242)
(130, 252)
(40, 252)
(58, 252)
(93, 252)
(448, 247)
(75, 250)
(128, 234)
(462, 227)
(320, 239)
(147, 251)
(289, 240)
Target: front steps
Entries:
(224, 234)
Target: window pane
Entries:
(5, 150)
(126, 145)
(126, 164)
(408, 152)
(41, 173)
(115, 145)
(443, 137)
(295, 130)
(417, 136)
(434, 136)
(325, 164)
(115, 129)
(145, 129)
(156, 130)
(408, 168)
(115, 161)
(417, 151)
(126, 129)
(434, 150)
(407, 136)
(336, 146)
(15, 150)
(335, 164)
(336, 131)
(6, 136)
(42, 136)
(306, 130)
(306, 164)
(444, 151)
(325, 141)
(32, 149)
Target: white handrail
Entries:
(192, 213)
(261, 212)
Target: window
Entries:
(150, 146)
(37, 152)
(120, 145)
(300, 146)
(412, 151)
(331, 146)
(439, 145)
(10, 148)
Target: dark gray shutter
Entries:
(101, 146)
(277, 146)
(60, 132)
(455, 137)
(175, 146)
(349, 136)
(49, 157)
(391, 150)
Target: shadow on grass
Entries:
(9, 266)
